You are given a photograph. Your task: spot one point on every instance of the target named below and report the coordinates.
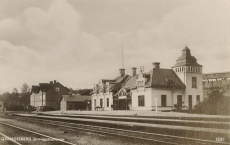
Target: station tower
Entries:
(190, 73)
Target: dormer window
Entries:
(107, 88)
(57, 89)
(169, 81)
(122, 92)
(140, 84)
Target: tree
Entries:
(81, 91)
(15, 91)
(25, 95)
(25, 88)
(216, 104)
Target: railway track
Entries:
(146, 136)
(31, 137)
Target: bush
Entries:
(216, 104)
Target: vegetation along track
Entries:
(31, 134)
(146, 136)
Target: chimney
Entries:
(156, 65)
(51, 82)
(133, 71)
(55, 82)
(122, 71)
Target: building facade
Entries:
(102, 97)
(47, 94)
(75, 102)
(159, 87)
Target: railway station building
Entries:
(158, 87)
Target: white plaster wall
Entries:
(148, 99)
(63, 105)
(171, 96)
(186, 77)
(32, 99)
(108, 95)
(193, 91)
(156, 93)
(102, 96)
(177, 92)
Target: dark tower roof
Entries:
(186, 59)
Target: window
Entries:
(194, 82)
(198, 99)
(141, 100)
(107, 102)
(101, 102)
(140, 84)
(101, 88)
(163, 100)
(57, 89)
(95, 102)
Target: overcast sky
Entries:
(78, 42)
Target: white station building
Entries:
(159, 87)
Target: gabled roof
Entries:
(55, 84)
(186, 59)
(158, 78)
(75, 98)
(106, 80)
(44, 86)
(131, 82)
(35, 89)
(120, 81)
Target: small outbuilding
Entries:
(75, 102)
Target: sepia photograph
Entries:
(115, 72)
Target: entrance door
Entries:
(129, 104)
(179, 101)
(122, 104)
(115, 104)
(190, 102)
(163, 100)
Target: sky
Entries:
(79, 42)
